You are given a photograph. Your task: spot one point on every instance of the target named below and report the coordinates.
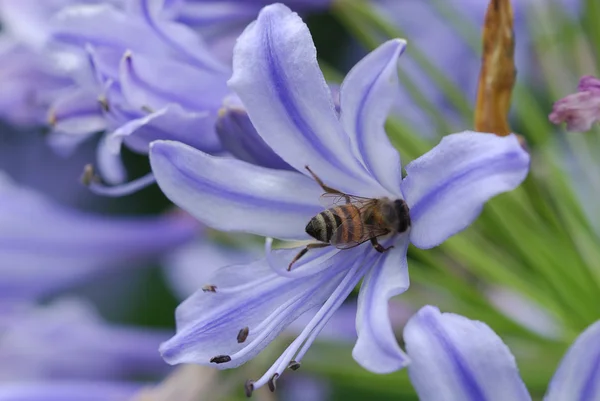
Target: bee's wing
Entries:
(352, 231)
(329, 200)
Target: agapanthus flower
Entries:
(579, 110)
(243, 308)
(457, 359)
(68, 340)
(149, 78)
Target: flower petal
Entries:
(457, 359)
(153, 82)
(77, 113)
(446, 188)
(232, 195)
(245, 296)
(170, 122)
(367, 95)
(190, 266)
(578, 376)
(239, 137)
(377, 348)
(278, 79)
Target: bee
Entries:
(354, 220)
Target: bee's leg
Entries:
(303, 252)
(326, 188)
(378, 247)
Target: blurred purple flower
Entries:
(68, 391)
(149, 78)
(45, 247)
(276, 75)
(32, 74)
(67, 340)
(454, 358)
(579, 110)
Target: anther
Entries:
(243, 334)
(273, 382)
(220, 359)
(249, 387)
(88, 176)
(104, 103)
(209, 288)
(294, 365)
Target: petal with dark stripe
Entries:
(457, 359)
(367, 95)
(447, 187)
(278, 79)
(578, 376)
(232, 195)
(377, 348)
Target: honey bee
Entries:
(354, 220)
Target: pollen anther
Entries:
(220, 359)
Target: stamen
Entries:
(294, 365)
(210, 288)
(123, 189)
(88, 175)
(104, 103)
(304, 340)
(220, 359)
(243, 334)
(249, 387)
(309, 265)
(273, 382)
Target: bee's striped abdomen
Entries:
(352, 228)
(323, 225)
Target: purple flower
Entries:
(146, 77)
(454, 358)
(68, 391)
(244, 307)
(579, 110)
(68, 340)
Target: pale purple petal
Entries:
(232, 195)
(77, 113)
(109, 163)
(578, 376)
(245, 296)
(152, 83)
(457, 359)
(377, 348)
(447, 187)
(239, 137)
(190, 266)
(68, 391)
(278, 79)
(171, 123)
(28, 84)
(367, 95)
(183, 41)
